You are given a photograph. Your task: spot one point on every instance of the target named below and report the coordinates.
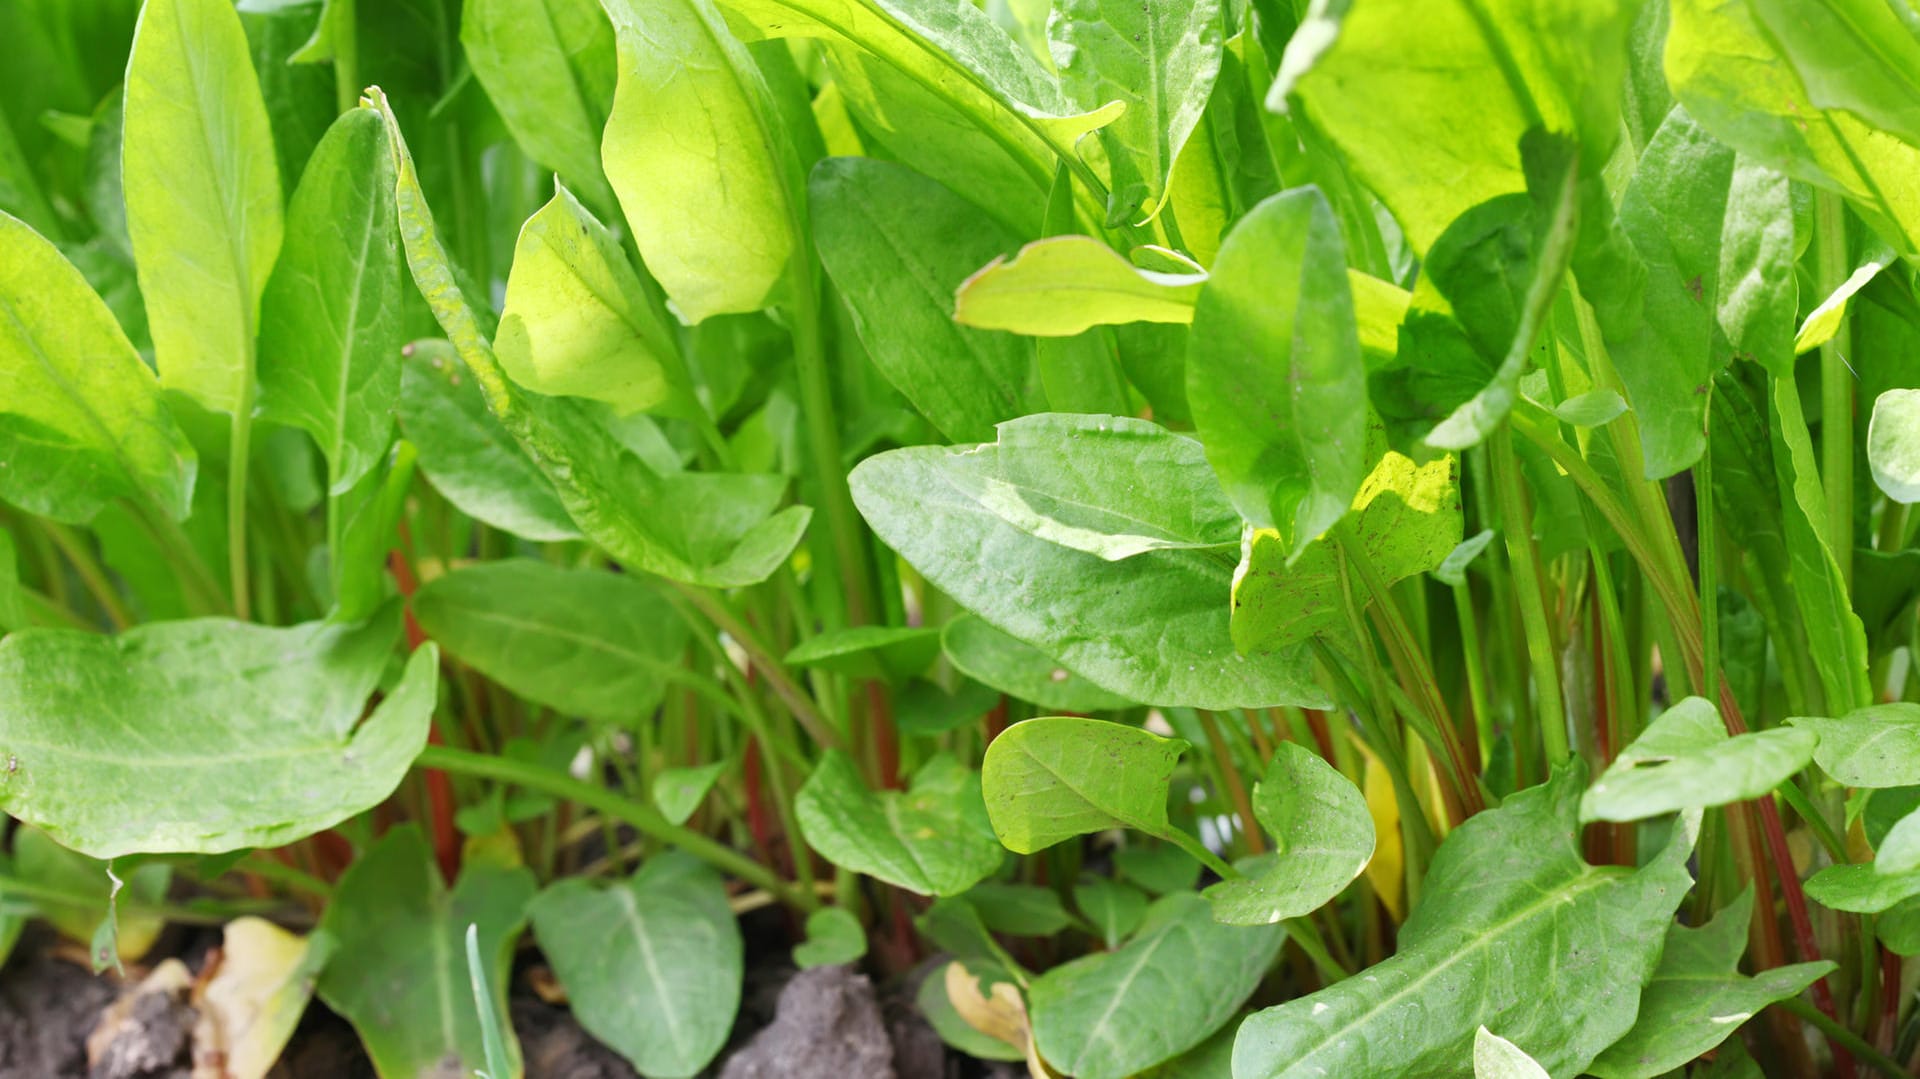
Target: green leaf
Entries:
(203, 196)
(1115, 909)
(1111, 486)
(1111, 1014)
(1514, 932)
(1065, 285)
(1893, 444)
(578, 321)
(1165, 613)
(1020, 910)
(834, 936)
(1684, 760)
(957, 54)
(1013, 667)
(548, 67)
(330, 321)
(694, 150)
(891, 653)
(677, 792)
(1861, 57)
(1484, 72)
(922, 707)
(400, 975)
(472, 460)
(205, 736)
(1211, 1059)
(1728, 68)
(1861, 889)
(1595, 408)
(724, 531)
(82, 422)
(897, 246)
(13, 604)
(1161, 61)
(1408, 522)
(1714, 231)
(652, 964)
(1875, 746)
(38, 860)
(13, 919)
(932, 839)
(1824, 321)
(1322, 837)
(586, 642)
(1899, 851)
(1495, 1057)
(1837, 638)
(1274, 374)
(1050, 779)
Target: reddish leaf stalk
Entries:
(440, 801)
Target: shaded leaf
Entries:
(548, 66)
(1014, 667)
(1114, 908)
(892, 653)
(587, 642)
(834, 936)
(1050, 779)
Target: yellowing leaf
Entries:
(1065, 285)
(256, 997)
(998, 1013)
(1386, 872)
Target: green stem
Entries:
(642, 818)
(238, 449)
(764, 661)
(1709, 554)
(1836, 384)
(91, 574)
(1200, 853)
(1304, 933)
(823, 441)
(1516, 527)
(1840, 1035)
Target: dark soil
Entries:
(827, 1023)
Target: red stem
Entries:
(440, 801)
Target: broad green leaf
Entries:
(38, 860)
(1165, 615)
(1837, 638)
(1893, 444)
(1875, 746)
(897, 245)
(1408, 521)
(1018, 669)
(1859, 56)
(694, 150)
(1111, 486)
(1211, 1059)
(1050, 779)
(720, 530)
(301, 100)
(1515, 931)
(1495, 1057)
(548, 67)
(400, 975)
(1159, 868)
(1861, 889)
(892, 653)
(1899, 851)
(471, 458)
(586, 642)
(13, 606)
(330, 321)
(651, 964)
(1114, 909)
(1160, 60)
(834, 936)
(82, 422)
(1112, 1014)
(1729, 70)
(932, 839)
(923, 707)
(205, 736)
(1274, 374)
(1714, 232)
(1484, 72)
(203, 196)
(1698, 997)
(578, 321)
(957, 54)
(1322, 837)
(677, 792)
(1824, 321)
(1065, 285)
(1595, 408)
(1684, 760)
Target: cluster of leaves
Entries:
(1257, 539)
